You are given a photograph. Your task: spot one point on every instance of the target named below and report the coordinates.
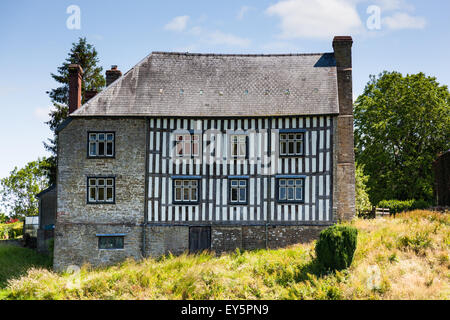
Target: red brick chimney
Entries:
(89, 94)
(112, 75)
(75, 77)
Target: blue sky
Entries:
(411, 36)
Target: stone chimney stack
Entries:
(75, 77)
(112, 75)
(345, 194)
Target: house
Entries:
(47, 216)
(186, 152)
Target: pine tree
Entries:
(85, 55)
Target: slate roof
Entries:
(212, 85)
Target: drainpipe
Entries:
(147, 150)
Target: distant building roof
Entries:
(220, 85)
(51, 188)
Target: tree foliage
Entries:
(19, 189)
(362, 201)
(401, 124)
(85, 55)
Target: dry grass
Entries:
(403, 258)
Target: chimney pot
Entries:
(75, 78)
(112, 75)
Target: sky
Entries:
(407, 36)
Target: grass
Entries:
(16, 261)
(401, 258)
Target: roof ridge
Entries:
(238, 54)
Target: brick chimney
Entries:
(345, 169)
(89, 94)
(112, 75)
(75, 77)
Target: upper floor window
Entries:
(187, 145)
(290, 189)
(101, 190)
(291, 143)
(238, 145)
(186, 190)
(101, 144)
(238, 191)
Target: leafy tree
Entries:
(401, 123)
(85, 55)
(362, 197)
(19, 190)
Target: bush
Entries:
(336, 246)
(397, 206)
(11, 230)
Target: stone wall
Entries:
(161, 240)
(77, 222)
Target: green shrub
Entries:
(336, 246)
(397, 206)
(11, 230)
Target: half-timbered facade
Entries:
(187, 152)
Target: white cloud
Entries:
(177, 24)
(42, 113)
(220, 38)
(316, 18)
(403, 20)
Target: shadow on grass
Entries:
(16, 261)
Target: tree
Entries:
(85, 55)
(19, 190)
(362, 201)
(401, 124)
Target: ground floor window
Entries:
(186, 190)
(101, 190)
(110, 241)
(238, 191)
(290, 189)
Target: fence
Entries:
(374, 213)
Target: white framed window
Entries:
(101, 190)
(238, 191)
(185, 190)
(290, 189)
(238, 145)
(291, 144)
(187, 145)
(101, 144)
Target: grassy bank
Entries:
(16, 261)
(402, 258)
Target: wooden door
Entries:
(199, 239)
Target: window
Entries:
(101, 144)
(101, 190)
(238, 145)
(186, 191)
(290, 189)
(109, 242)
(291, 143)
(238, 191)
(187, 145)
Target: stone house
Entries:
(187, 152)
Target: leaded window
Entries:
(238, 144)
(291, 144)
(290, 190)
(187, 145)
(238, 191)
(101, 144)
(101, 190)
(186, 190)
